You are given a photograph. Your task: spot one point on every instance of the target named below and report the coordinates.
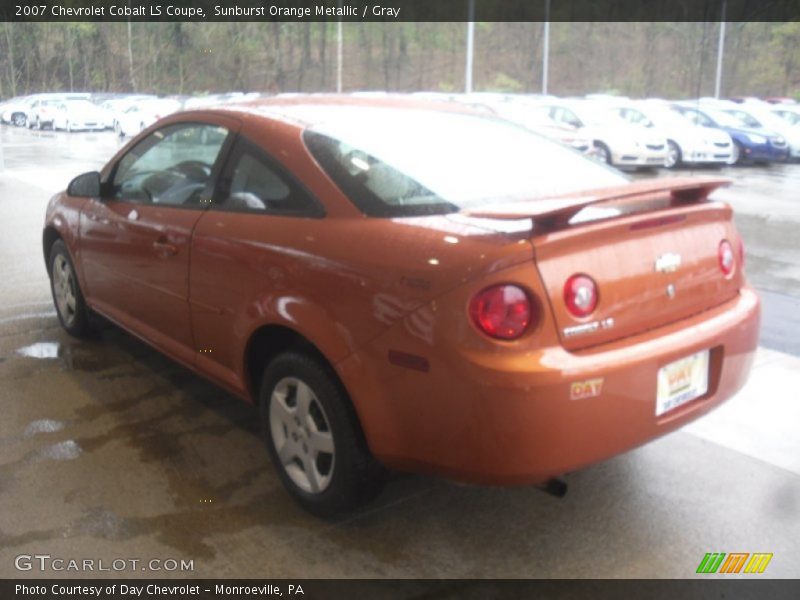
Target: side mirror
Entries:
(85, 186)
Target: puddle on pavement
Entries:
(41, 350)
(72, 356)
(42, 426)
(68, 450)
(103, 523)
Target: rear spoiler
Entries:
(556, 211)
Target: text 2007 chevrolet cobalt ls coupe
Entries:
(403, 287)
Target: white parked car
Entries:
(117, 106)
(78, 115)
(616, 142)
(42, 112)
(791, 114)
(40, 107)
(524, 113)
(788, 112)
(143, 114)
(15, 111)
(687, 142)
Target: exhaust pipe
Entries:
(555, 487)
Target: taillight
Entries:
(741, 253)
(727, 259)
(502, 311)
(580, 295)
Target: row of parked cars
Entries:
(127, 114)
(632, 133)
(620, 131)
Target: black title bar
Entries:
(398, 10)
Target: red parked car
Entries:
(411, 286)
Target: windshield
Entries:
(746, 119)
(724, 119)
(792, 118)
(596, 115)
(79, 105)
(665, 117)
(405, 163)
(764, 117)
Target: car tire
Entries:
(602, 153)
(313, 436)
(67, 296)
(736, 154)
(674, 155)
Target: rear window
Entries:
(414, 162)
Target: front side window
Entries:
(171, 166)
(409, 163)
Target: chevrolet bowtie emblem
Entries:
(669, 262)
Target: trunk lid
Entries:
(653, 255)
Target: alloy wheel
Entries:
(602, 154)
(64, 290)
(736, 152)
(302, 436)
(672, 155)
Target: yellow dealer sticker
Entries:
(591, 388)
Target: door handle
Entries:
(164, 248)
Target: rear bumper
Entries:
(489, 419)
(88, 126)
(639, 157)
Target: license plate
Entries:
(682, 381)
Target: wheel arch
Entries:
(268, 341)
(50, 236)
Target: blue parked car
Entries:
(751, 144)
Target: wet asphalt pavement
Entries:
(110, 451)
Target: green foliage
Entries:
(504, 83)
(658, 59)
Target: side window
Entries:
(698, 118)
(639, 118)
(171, 166)
(570, 118)
(255, 183)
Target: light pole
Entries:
(720, 52)
(470, 46)
(546, 46)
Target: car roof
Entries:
(307, 110)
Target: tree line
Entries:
(671, 60)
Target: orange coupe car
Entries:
(399, 285)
